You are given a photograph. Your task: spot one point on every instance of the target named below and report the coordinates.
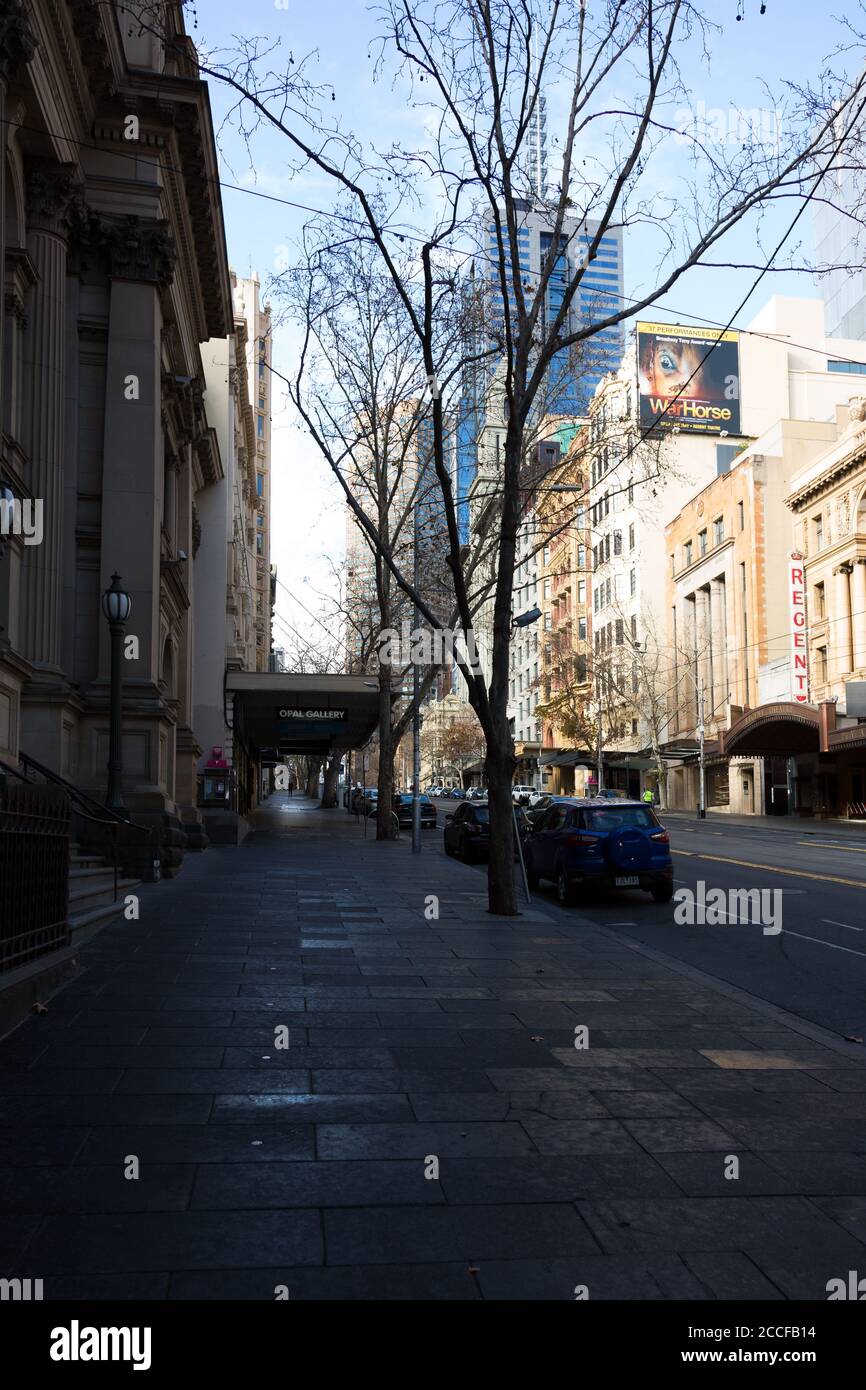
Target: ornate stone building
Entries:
(112, 242)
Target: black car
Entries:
(467, 831)
(403, 810)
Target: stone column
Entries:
(49, 191)
(840, 616)
(17, 46)
(858, 613)
(140, 264)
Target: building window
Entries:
(687, 554)
(581, 629)
(634, 726)
(818, 531)
(620, 632)
(718, 530)
(634, 627)
(631, 537)
(741, 516)
(581, 591)
(260, 544)
(260, 484)
(820, 601)
(702, 542)
(632, 583)
(725, 455)
(260, 426)
(617, 542)
(853, 368)
(822, 664)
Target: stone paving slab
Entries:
(430, 1131)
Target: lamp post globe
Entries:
(116, 606)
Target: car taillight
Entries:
(581, 839)
(662, 837)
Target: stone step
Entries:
(97, 891)
(85, 924)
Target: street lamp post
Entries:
(117, 606)
(702, 795)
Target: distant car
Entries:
(521, 793)
(477, 794)
(467, 831)
(403, 811)
(536, 797)
(578, 844)
(612, 794)
(457, 793)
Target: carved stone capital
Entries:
(141, 250)
(17, 41)
(50, 191)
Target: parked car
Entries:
(477, 794)
(360, 800)
(467, 831)
(538, 806)
(578, 844)
(537, 797)
(521, 793)
(403, 809)
(612, 794)
(457, 793)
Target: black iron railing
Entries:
(34, 873)
(86, 809)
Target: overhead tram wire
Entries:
(475, 255)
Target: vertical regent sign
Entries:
(797, 612)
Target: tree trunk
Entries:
(499, 771)
(385, 827)
(332, 773)
(499, 760)
(312, 787)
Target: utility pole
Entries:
(599, 750)
(416, 690)
(702, 803)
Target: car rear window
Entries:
(615, 817)
(481, 814)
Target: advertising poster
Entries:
(688, 379)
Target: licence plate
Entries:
(632, 882)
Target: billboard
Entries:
(688, 379)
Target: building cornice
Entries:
(825, 482)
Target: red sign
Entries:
(799, 632)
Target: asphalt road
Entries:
(816, 966)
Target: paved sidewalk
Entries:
(413, 1041)
(798, 825)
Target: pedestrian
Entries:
(291, 787)
(648, 796)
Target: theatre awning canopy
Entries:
(279, 715)
(775, 730)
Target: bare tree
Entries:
(479, 67)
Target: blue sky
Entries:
(790, 42)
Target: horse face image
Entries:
(666, 365)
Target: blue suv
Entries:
(610, 844)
